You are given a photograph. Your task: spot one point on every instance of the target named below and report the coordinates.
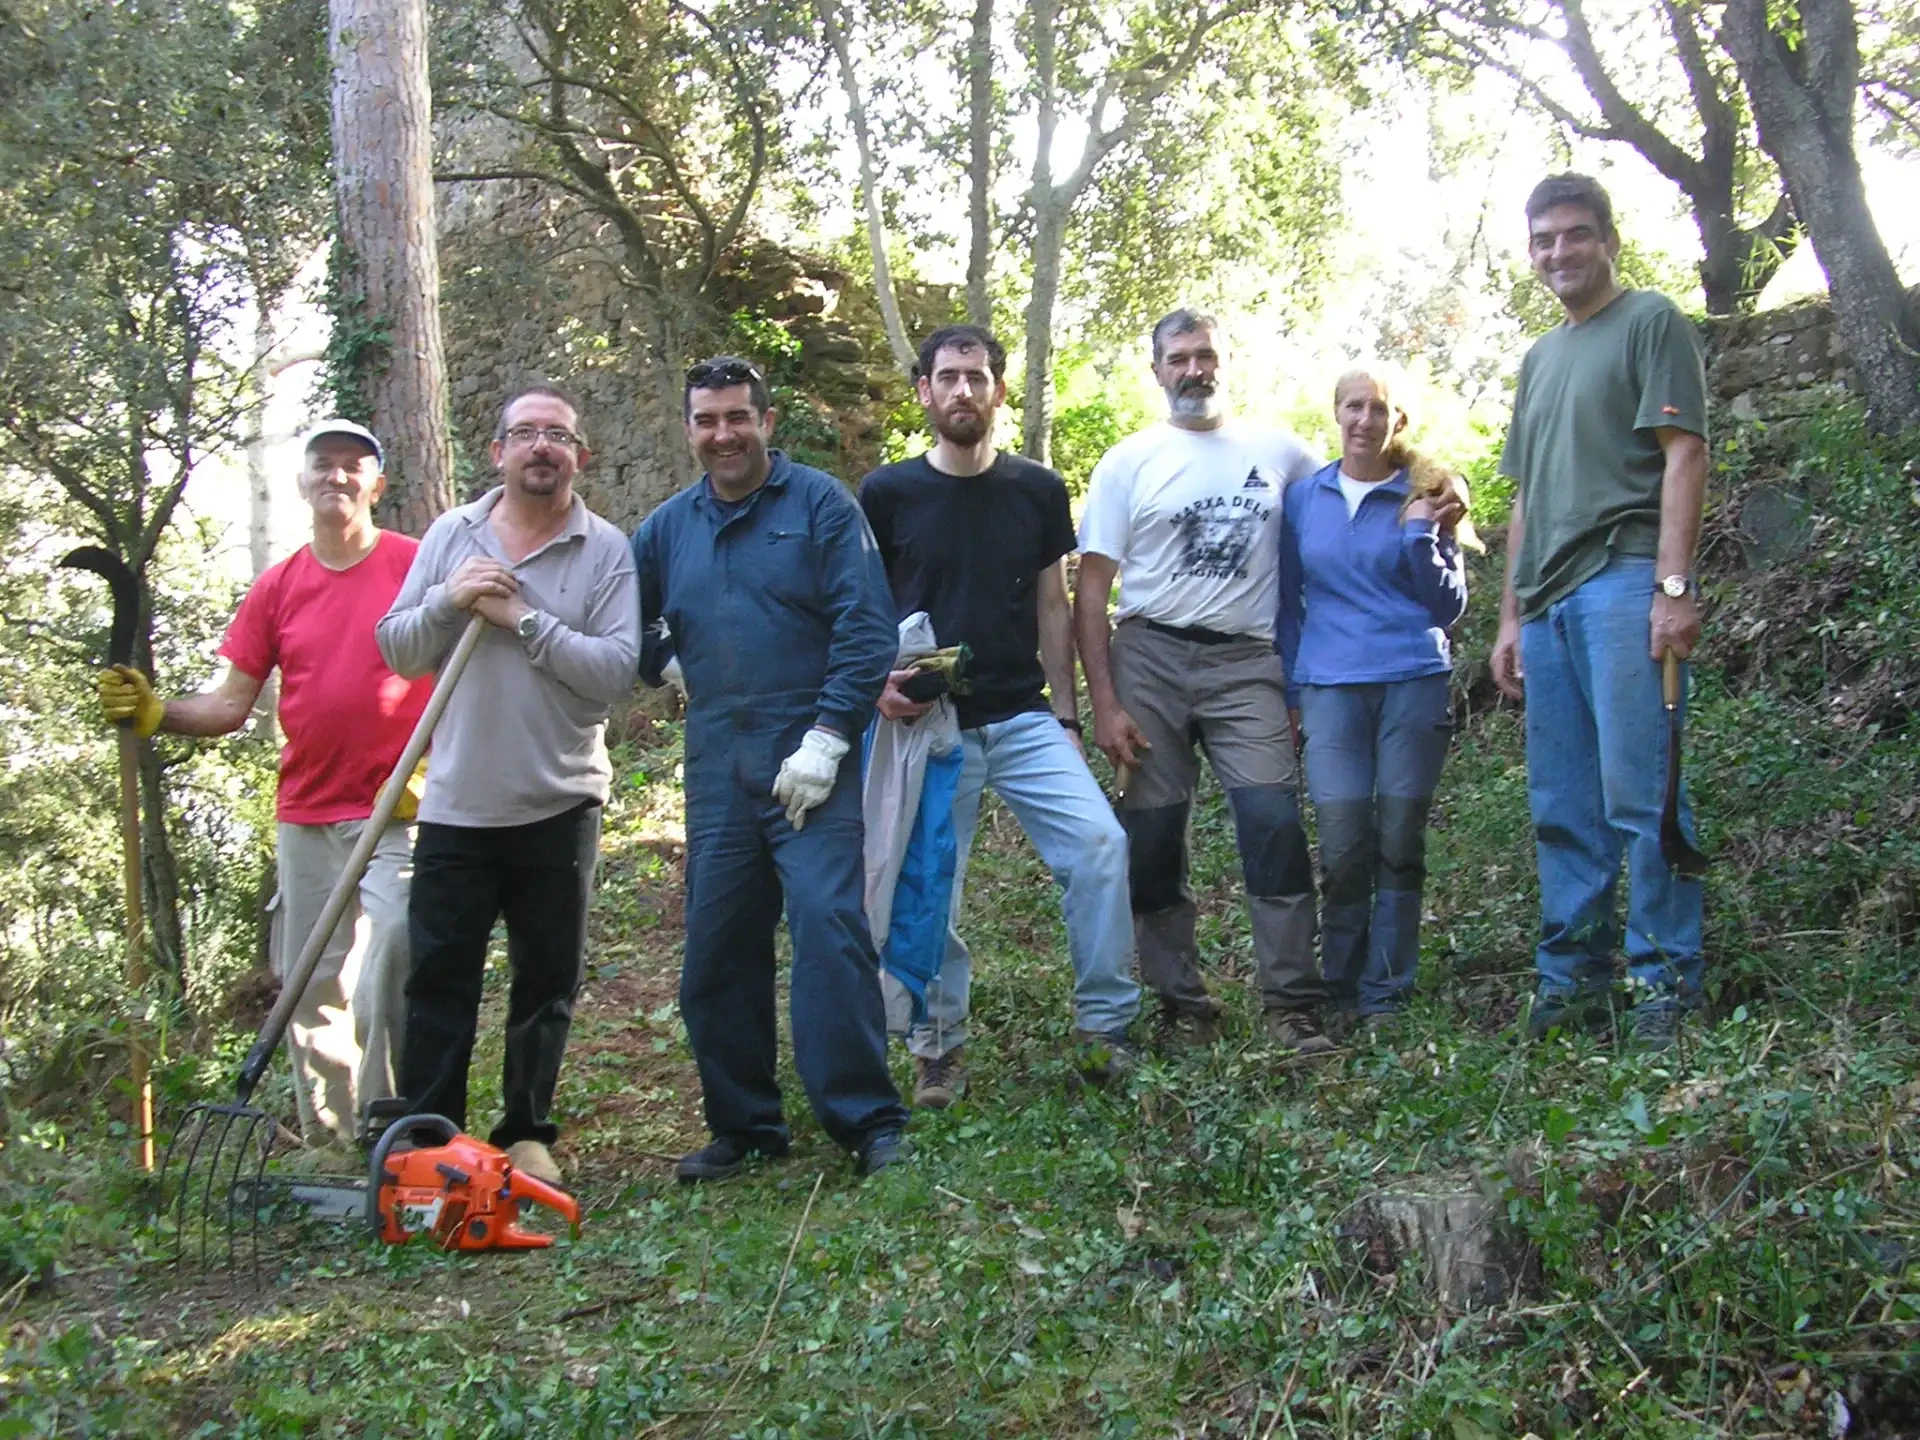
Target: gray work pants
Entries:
(1229, 699)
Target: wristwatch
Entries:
(527, 626)
(1675, 586)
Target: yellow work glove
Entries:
(126, 694)
(408, 807)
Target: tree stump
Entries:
(1451, 1233)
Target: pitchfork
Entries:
(231, 1169)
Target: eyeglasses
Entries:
(552, 434)
(709, 376)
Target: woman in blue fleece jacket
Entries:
(1371, 581)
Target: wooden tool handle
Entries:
(139, 1081)
(1670, 680)
(294, 982)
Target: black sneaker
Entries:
(889, 1147)
(722, 1158)
(1584, 1011)
(1104, 1056)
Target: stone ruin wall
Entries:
(513, 315)
(1779, 364)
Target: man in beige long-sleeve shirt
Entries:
(510, 824)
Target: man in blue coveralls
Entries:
(777, 609)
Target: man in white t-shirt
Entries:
(1187, 514)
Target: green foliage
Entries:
(662, 121)
(159, 172)
(155, 173)
(803, 427)
(1226, 196)
(1081, 435)
(357, 348)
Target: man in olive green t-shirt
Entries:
(1609, 454)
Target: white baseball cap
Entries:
(338, 426)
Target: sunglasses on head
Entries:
(707, 376)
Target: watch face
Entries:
(526, 626)
(1674, 585)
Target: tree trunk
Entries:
(980, 163)
(1036, 420)
(259, 483)
(260, 495)
(1737, 261)
(383, 188)
(1803, 100)
(903, 351)
(1049, 235)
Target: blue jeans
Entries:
(1033, 767)
(1596, 778)
(1374, 754)
(744, 864)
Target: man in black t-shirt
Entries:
(978, 539)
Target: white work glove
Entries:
(806, 778)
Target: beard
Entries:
(1193, 399)
(539, 479)
(962, 426)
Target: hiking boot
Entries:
(1104, 1056)
(1587, 1012)
(1175, 1029)
(1380, 1027)
(889, 1147)
(535, 1159)
(1656, 1025)
(939, 1081)
(1298, 1031)
(722, 1158)
(1340, 1024)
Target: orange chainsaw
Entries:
(463, 1192)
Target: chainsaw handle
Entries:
(526, 1187)
(440, 1130)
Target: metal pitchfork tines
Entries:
(223, 1148)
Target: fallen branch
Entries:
(772, 1309)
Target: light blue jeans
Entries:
(1374, 754)
(1596, 778)
(1033, 767)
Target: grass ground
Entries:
(1721, 1240)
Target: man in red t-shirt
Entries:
(346, 718)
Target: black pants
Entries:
(540, 878)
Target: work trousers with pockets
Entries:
(344, 1038)
(538, 878)
(744, 862)
(1596, 781)
(1031, 764)
(1227, 695)
(1374, 754)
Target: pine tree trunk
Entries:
(383, 188)
(1803, 99)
